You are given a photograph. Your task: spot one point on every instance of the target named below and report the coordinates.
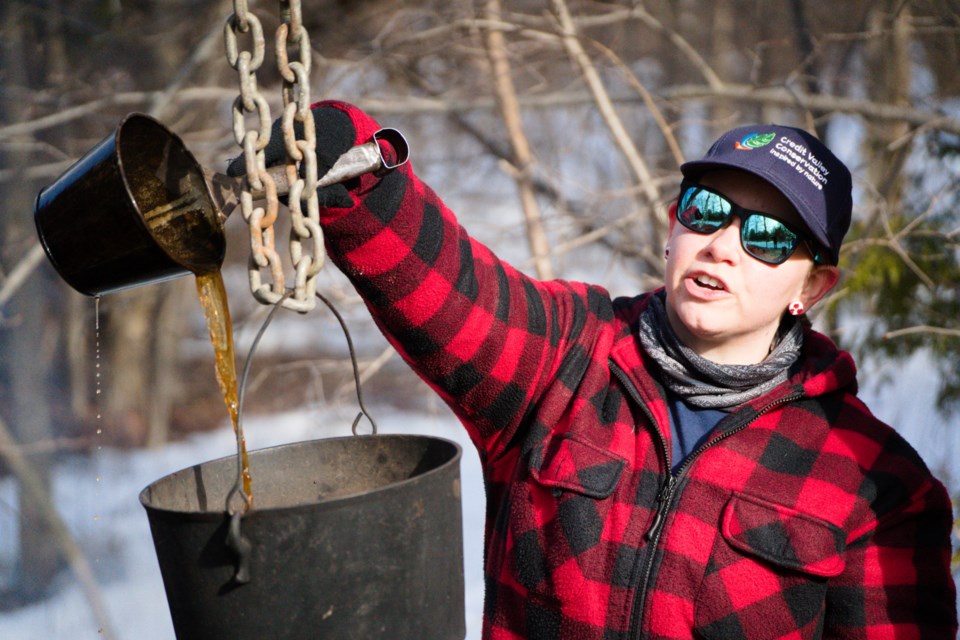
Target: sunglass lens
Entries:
(767, 239)
(702, 211)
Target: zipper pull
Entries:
(663, 503)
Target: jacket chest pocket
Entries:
(567, 463)
(558, 520)
(767, 573)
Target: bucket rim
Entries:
(352, 498)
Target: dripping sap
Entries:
(213, 298)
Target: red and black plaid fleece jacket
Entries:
(803, 517)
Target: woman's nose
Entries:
(724, 244)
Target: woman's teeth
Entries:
(707, 281)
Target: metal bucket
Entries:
(355, 537)
(135, 209)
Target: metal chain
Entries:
(296, 108)
(292, 37)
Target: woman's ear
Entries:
(819, 282)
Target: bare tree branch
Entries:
(649, 101)
(782, 97)
(619, 14)
(619, 133)
(510, 109)
(368, 371)
(49, 170)
(940, 331)
(129, 98)
(20, 273)
(737, 93)
(408, 105)
(161, 101)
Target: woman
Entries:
(690, 462)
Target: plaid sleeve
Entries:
(898, 581)
(482, 334)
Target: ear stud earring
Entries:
(795, 308)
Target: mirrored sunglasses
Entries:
(766, 238)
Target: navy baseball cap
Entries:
(801, 167)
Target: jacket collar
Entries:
(823, 367)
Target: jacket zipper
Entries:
(666, 494)
(664, 497)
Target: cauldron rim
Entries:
(337, 502)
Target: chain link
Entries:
(306, 236)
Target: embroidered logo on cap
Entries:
(755, 141)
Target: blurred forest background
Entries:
(571, 115)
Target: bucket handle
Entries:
(235, 538)
(356, 369)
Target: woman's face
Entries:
(723, 303)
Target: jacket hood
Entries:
(825, 368)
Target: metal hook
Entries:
(241, 546)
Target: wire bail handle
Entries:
(235, 540)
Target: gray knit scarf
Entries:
(706, 384)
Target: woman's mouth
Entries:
(708, 282)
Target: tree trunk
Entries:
(77, 329)
(125, 351)
(168, 333)
(23, 336)
(888, 81)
